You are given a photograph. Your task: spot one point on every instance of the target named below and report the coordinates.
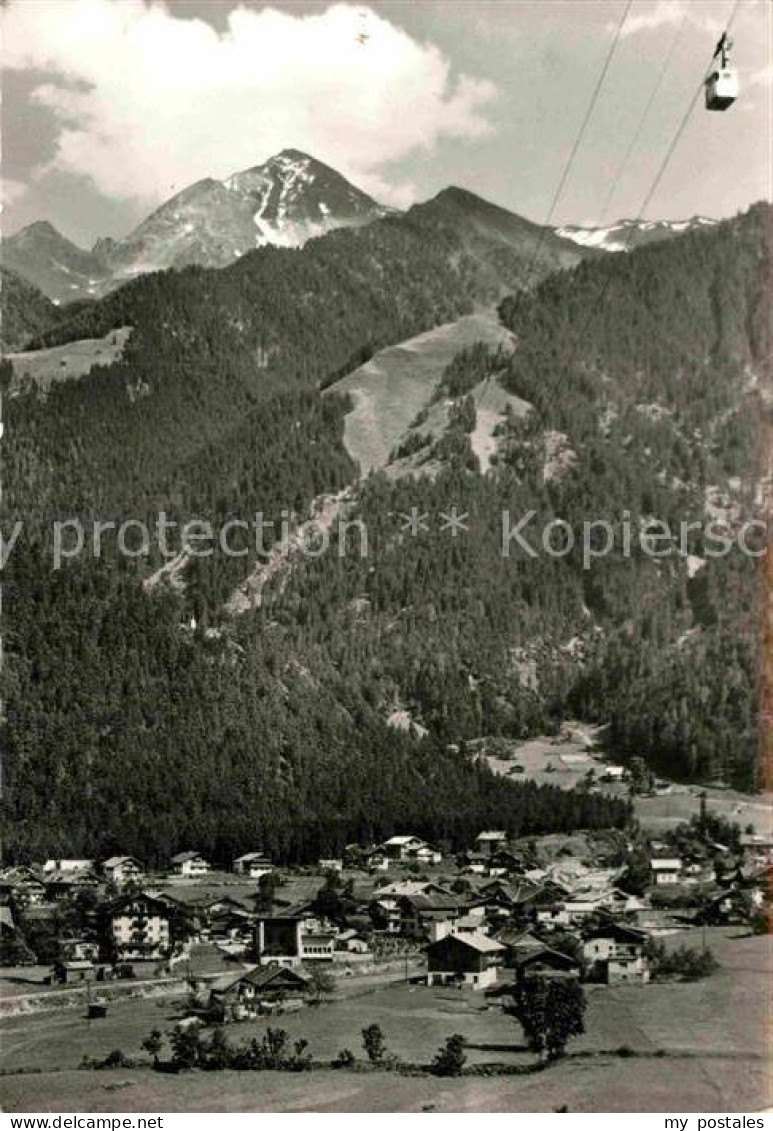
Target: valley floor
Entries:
(564, 761)
(691, 1047)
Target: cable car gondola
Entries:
(722, 84)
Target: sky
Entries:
(112, 106)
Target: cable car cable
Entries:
(642, 121)
(648, 198)
(579, 138)
(570, 161)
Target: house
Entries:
(253, 864)
(351, 942)
(421, 914)
(615, 953)
(463, 960)
(385, 914)
(730, 907)
(403, 847)
(23, 886)
(612, 772)
(330, 864)
(139, 928)
(490, 841)
(67, 885)
(59, 865)
(292, 936)
(518, 943)
(425, 854)
(756, 848)
(503, 861)
(470, 924)
(74, 972)
(262, 989)
(189, 864)
(570, 912)
(411, 887)
(232, 924)
(665, 870)
(477, 863)
(544, 962)
(79, 950)
(120, 870)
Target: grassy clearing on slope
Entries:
(559, 761)
(397, 383)
(64, 363)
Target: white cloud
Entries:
(670, 13)
(148, 102)
(10, 192)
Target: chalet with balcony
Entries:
(251, 993)
(464, 960)
(543, 962)
(253, 864)
(292, 936)
(189, 865)
(121, 870)
(615, 954)
(139, 928)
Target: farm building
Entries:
(263, 989)
(544, 962)
(189, 864)
(74, 972)
(468, 959)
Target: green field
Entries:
(390, 390)
(712, 1035)
(570, 761)
(74, 359)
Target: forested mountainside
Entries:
(646, 376)
(25, 311)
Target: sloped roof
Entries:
(479, 942)
(181, 857)
(432, 902)
(520, 940)
(259, 976)
(556, 957)
(618, 931)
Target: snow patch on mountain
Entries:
(625, 235)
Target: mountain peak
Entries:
(292, 155)
(40, 229)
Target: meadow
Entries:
(686, 1047)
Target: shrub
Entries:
(451, 1059)
(373, 1043)
(686, 963)
(344, 1059)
